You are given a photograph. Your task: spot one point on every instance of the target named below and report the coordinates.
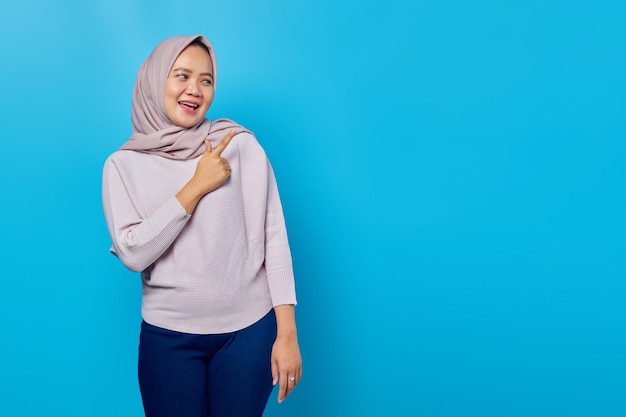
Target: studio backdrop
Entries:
(452, 175)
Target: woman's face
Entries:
(189, 87)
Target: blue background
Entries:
(452, 175)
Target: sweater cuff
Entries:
(282, 285)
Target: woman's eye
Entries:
(181, 76)
(207, 82)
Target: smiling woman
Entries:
(201, 220)
(189, 87)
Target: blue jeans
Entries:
(220, 375)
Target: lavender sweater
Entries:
(216, 271)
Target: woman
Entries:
(193, 205)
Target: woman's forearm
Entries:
(189, 197)
(285, 320)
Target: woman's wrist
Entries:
(286, 322)
(189, 196)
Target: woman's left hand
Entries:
(286, 364)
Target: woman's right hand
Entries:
(211, 172)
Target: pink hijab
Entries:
(153, 131)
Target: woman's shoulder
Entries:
(124, 160)
(244, 136)
(122, 155)
(224, 125)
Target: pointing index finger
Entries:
(224, 143)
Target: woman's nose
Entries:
(193, 89)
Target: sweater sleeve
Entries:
(138, 242)
(278, 263)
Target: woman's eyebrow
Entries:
(190, 71)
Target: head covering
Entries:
(153, 131)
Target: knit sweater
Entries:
(216, 271)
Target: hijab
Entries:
(153, 131)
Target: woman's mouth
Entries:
(188, 106)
